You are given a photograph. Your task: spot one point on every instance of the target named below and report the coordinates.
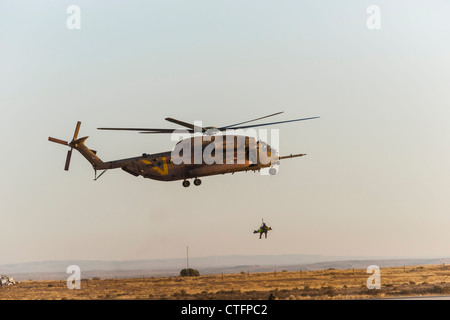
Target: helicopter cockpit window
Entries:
(266, 149)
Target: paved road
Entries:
(421, 298)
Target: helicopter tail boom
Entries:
(90, 155)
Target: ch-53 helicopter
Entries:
(229, 153)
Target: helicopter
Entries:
(228, 153)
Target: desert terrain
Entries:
(429, 280)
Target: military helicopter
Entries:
(228, 153)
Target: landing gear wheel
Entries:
(197, 182)
(272, 171)
(186, 183)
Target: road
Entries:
(421, 298)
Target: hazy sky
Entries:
(376, 179)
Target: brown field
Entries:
(325, 284)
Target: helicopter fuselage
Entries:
(169, 166)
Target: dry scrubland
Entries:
(324, 284)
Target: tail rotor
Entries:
(68, 157)
(70, 144)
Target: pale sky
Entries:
(376, 178)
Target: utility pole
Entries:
(187, 261)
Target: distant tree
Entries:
(189, 272)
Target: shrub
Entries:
(189, 272)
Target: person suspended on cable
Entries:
(263, 229)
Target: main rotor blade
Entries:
(236, 124)
(58, 141)
(77, 129)
(168, 131)
(192, 128)
(141, 129)
(185, 124)
(69, 155)
(271, 123)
